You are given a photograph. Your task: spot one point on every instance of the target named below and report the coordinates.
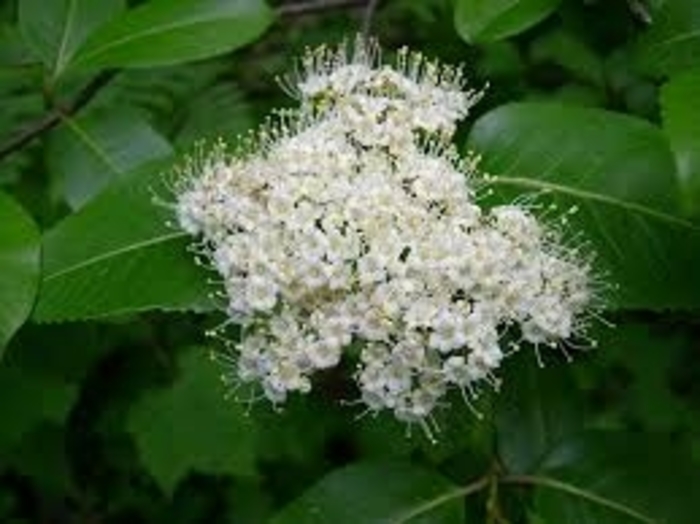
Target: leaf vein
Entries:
(597, 197)
(114, 253)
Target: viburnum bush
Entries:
(448, 281)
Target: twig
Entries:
(368, 17)
(315, 6)
(25, 135)
(54, 117)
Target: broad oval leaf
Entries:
(56, 29)
(41, 456)
(213, 434)
(28, 399)
(680, 106)
(66, 351)
(620, 478)
(490, 20)
(165, 32)
(671, 44)
(19, 267)
(119, 255)
(374, 493)
(538, 408)
(87, 153)
(619, 172)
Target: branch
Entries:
(316, 6)
(54, 117)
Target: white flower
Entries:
(354, 227)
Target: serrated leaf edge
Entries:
(114, 253)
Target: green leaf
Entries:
(490, 20)
(537, 409)
(646, 397)
(672, 42)
(66, 351)
(312, 420)
(172, 31)
(374, 493)
(89, 152)
(29, 399)
(219, 111)
(162, 93)
(19, 267)
(621, 478)
(619, 173)
(680, 106)
(119, 255)
(572, 94)
(247, 503)
(13, 47)
(56, 29)
(191, 426)
(500, 59)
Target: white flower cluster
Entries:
(352, 228)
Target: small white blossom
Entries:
(353, 227)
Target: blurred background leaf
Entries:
(184, 103)
(30, 398)
(671, 44)
(55, 30)
(89, 152)
(40, 454)
(374, 493)
(637, 380)
(219, 111)
(565, 50)
(538, 408)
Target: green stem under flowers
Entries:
(471, 488)
(564, 487)
(493, 508)
(493, 479)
